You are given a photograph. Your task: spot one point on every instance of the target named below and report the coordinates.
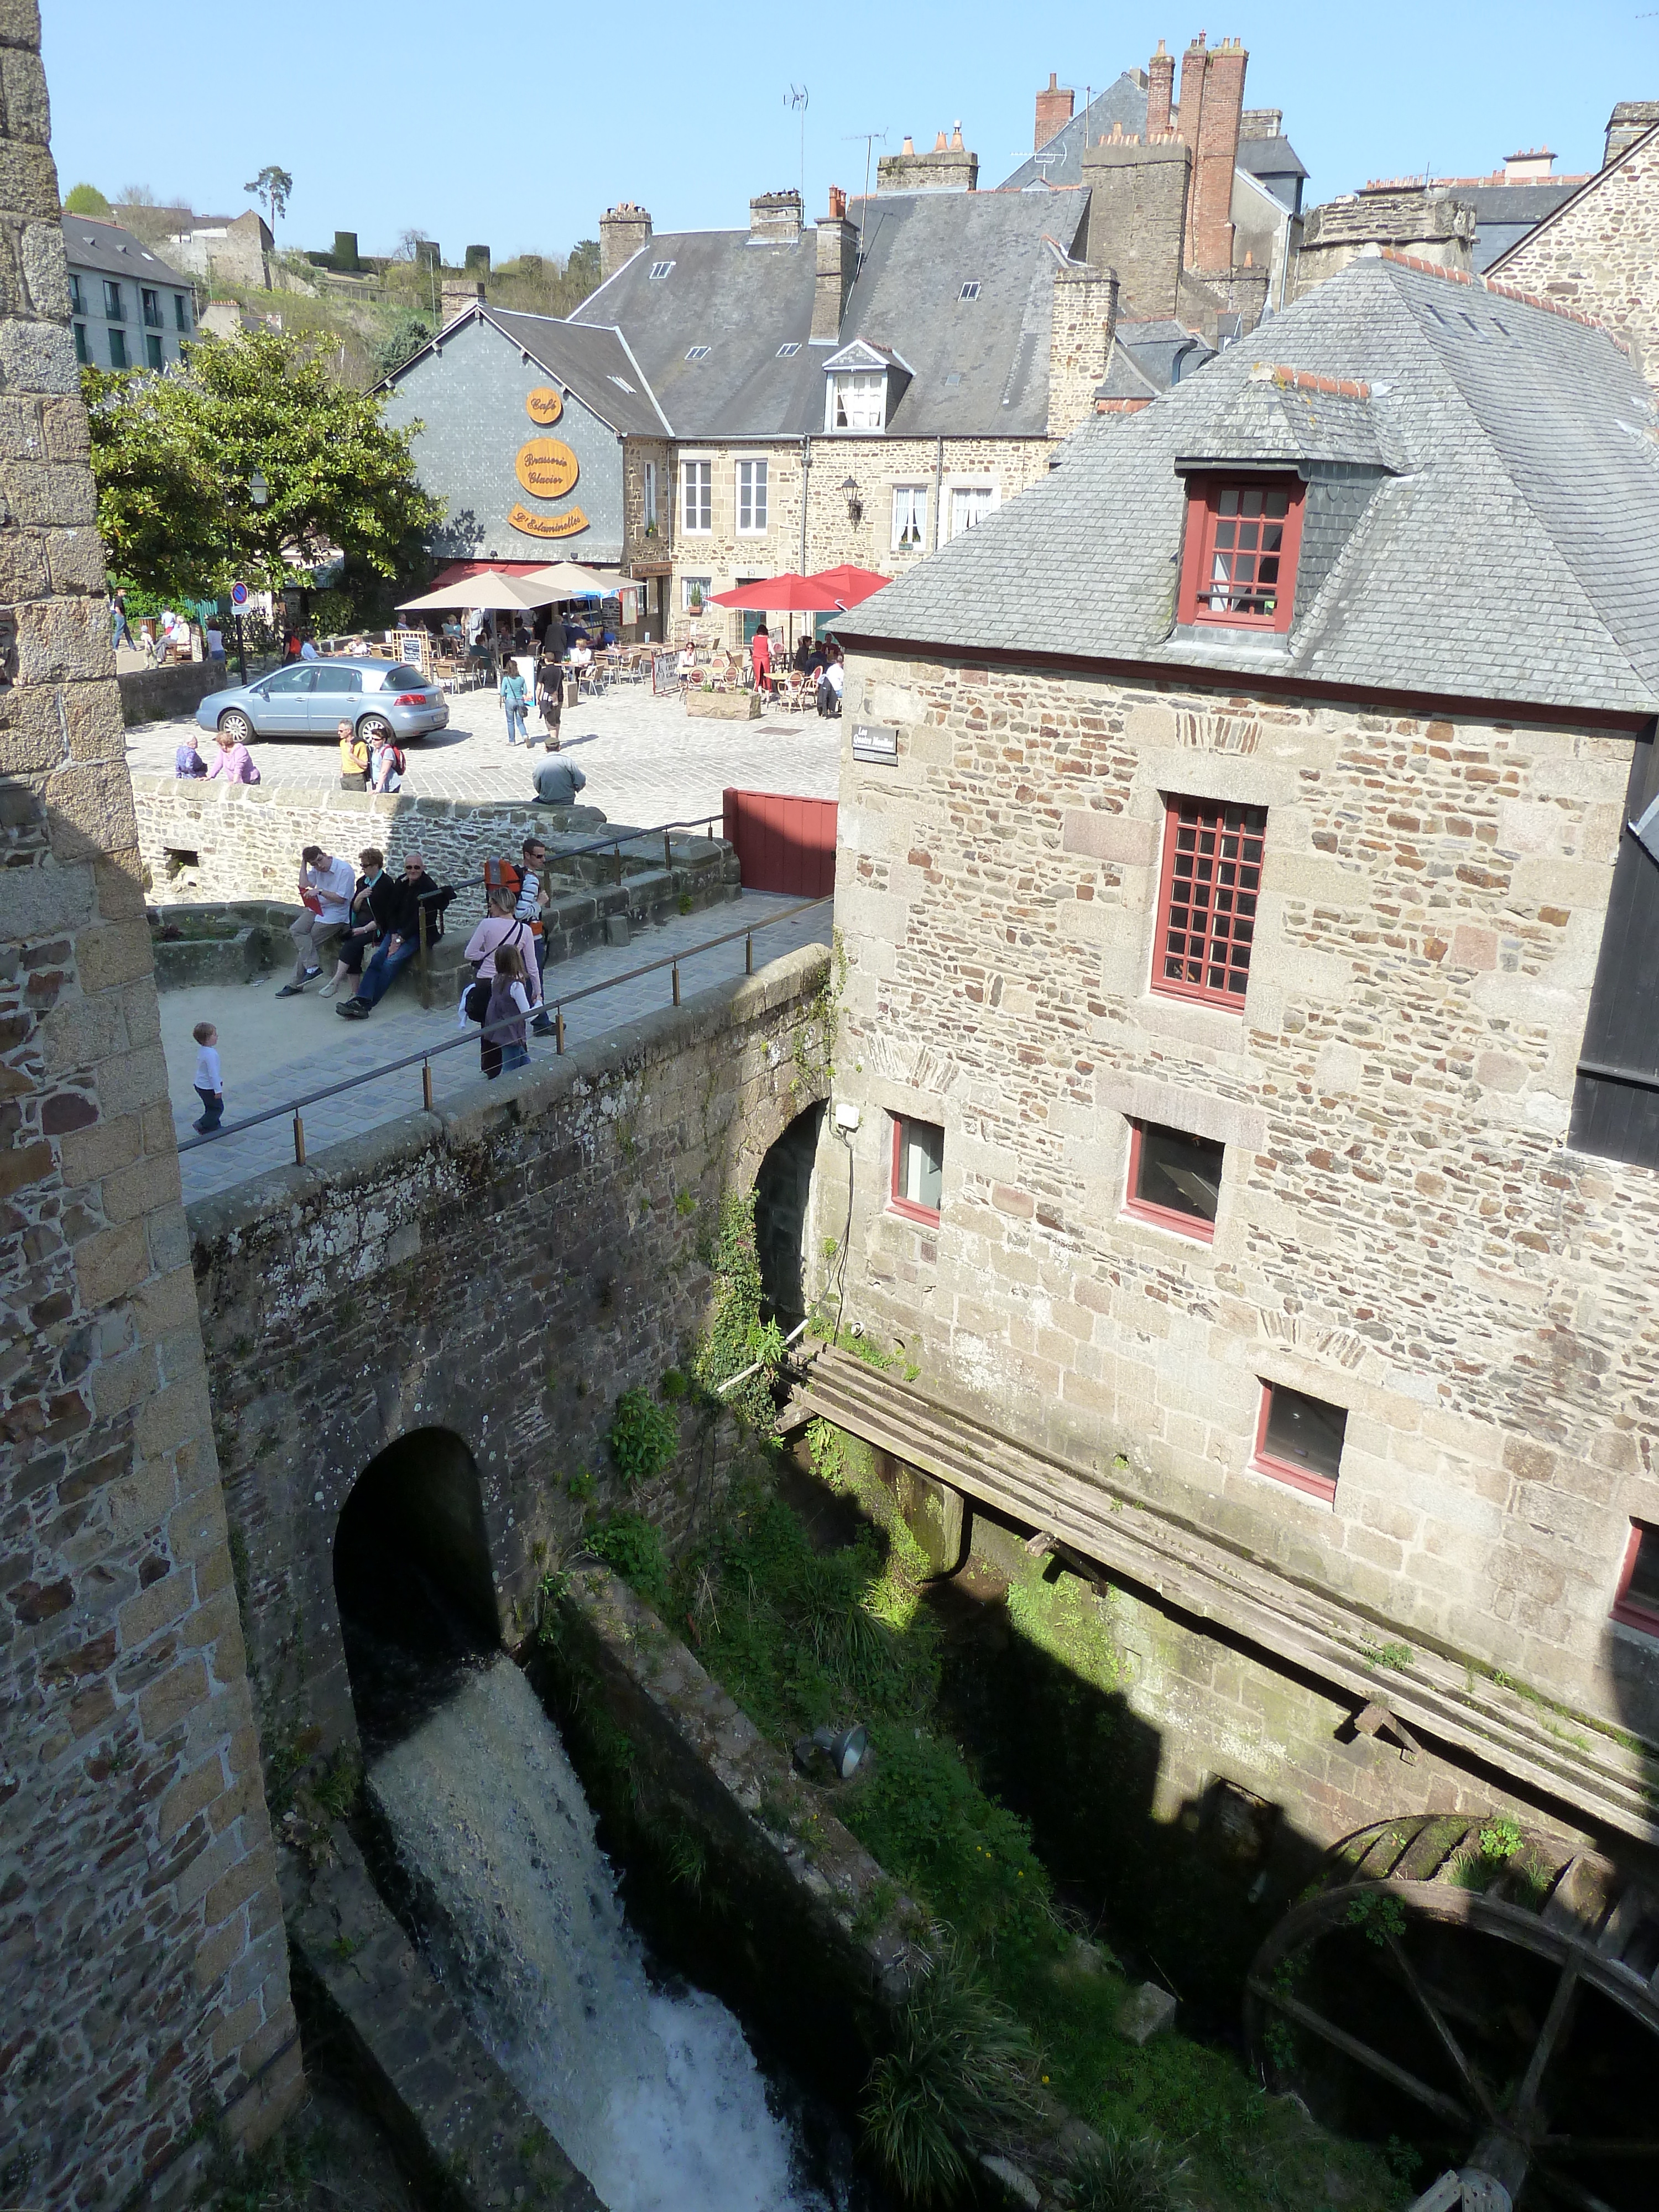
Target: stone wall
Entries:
(1426, 221)
(1598, 254)
(1402, 1231)
(500, 1271)
(158, 695)
(248, 837)
(144, 1982)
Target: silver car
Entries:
(312, 698)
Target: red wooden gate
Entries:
(783, 844)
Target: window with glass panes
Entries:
(152, 349)
(918, 1167)
(909, 517)
(180, 312)
(82, 350)
(752, 498)
(1298, 1439)
(858, 400)
(151, 305)
(77, 298)
(1636, 1604)
(1175, 1179)
(697, 495)
(118, 349)
(969, 505)
(1207, 895)
(1243, 538)
(114, 311)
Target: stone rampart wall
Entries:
(500, 1270)
(1402, 1231)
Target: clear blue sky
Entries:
(496, 124)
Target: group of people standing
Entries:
(507, 949)
(817, 660)
(371, 921)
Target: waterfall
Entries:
(656, 2097)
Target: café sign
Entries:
(546, 526)
(547, 468)
(543, 405)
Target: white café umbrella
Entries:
(490, 590)
(569, 580)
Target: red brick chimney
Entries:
(1214, 141)
(1160, 90)
(1053, 110)
(1190, 114)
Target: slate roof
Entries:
(595, 363)
(1505, 554)
(112, 251)
(1274, 162)
(980, 367)
(1060, 161)
(1505, 213)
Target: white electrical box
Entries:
(847, 1117)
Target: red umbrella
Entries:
(787, 594)
(849, 583)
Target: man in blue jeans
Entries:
(397, 911)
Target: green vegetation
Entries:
(87, 199)
(174, 458)
(1389, 1655)
(644, 1437)
(803, 1638)
(737, 1337)
(1128, 2173)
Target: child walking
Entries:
(509, 1006)
(209, 1088)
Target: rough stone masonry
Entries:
(143, 1980)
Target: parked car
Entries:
(311, 698)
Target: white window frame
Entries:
(751, 477)
(705, 506)
(913, 499)
(705, 584)
(857, 382)
(948, 492)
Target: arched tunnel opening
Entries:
(783, 1192)
(413, 1583)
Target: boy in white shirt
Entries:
(209, 1088)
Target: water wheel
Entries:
(1481, 1993)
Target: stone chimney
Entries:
(838, 261)
(1053, 110)
(949, 168)
(1212, 103)
(1427, 221)
(775, 218)
(1631, 120)
(458, 294)
(1160, 91)
(1138, 197)
(1531, 167)
(623, 229)
(1080, 342)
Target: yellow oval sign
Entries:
(547, 468)
(568, 525)
(544, 405)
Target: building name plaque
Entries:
(567, 525)
(543, 405)
(547, 468)
(875, 741)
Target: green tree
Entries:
(175, 458)
(272, 185)
(87, 199)
(407, 335)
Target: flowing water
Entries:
(655, 2095)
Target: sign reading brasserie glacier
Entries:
(547, 469)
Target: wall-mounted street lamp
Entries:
(257, 489)
(849, 492)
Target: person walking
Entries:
(534, 895)
(210, 1087)
(353, 758)
(510, 1003)
(397, 909)
(215, 640)
(187, 761)
(760, 657)
(233, 763)
(549, 694)
(514, 699)
(325, 891)
(386, 763)
(123, 633)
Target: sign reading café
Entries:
(547, 469)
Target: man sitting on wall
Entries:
(325, 887)
(396, 904)
(557, 780)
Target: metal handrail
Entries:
(424, 1058)
(614, 842)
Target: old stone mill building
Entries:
(1227, 1119)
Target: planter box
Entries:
(724, 706)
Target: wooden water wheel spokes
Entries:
(1482, 1993)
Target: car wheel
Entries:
(374, 726)
(235, 726)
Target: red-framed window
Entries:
(1637, 1603)
(1206, 899)
(1243, 536)
(1175, 1179)
(918, 1168)
(1298, 1440)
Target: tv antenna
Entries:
(869, 139)
(795, 98)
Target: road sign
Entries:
(238, 596)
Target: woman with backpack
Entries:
(386, 763)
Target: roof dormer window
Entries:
(1243, 534)
(858, 400)
(659, 270)
(969, 290)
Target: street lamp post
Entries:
(260, 492)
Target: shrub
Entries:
(958, 2079)
(629, 1545)
(644, 1437)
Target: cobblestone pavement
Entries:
(645, 759)
(273, 1051)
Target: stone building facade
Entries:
(1598, 254)
(143, 1992)
(1398, 1228)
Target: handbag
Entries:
(477, 1001)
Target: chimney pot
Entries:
(939, 146)
(957, 146)
(910, 146)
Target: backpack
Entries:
(502, 876)
(398, 761)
